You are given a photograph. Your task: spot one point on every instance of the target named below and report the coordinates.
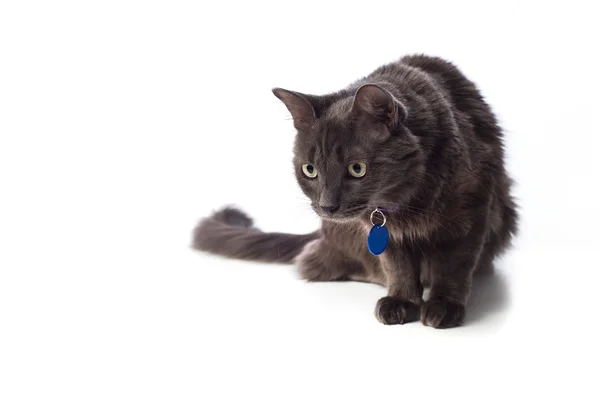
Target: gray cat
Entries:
(412, 147)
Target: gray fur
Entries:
(435, 166)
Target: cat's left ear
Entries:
(377, 105)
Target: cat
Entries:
(416, 141)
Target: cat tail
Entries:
(229, 232)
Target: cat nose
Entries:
(330, 208)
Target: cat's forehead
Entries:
(339, 111)
(335, 125)
(333, 133)
(330, 142)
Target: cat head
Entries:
(353, 151)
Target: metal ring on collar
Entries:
(382, 215)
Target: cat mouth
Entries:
(343, 215)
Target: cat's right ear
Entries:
(303, 113)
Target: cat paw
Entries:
(442, 313)
(309, 264)
(313, 272)
(390, 310)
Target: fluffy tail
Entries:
(229, 233)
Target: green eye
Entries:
(357, 169)
(309, 170)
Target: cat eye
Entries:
(357, 169)
(309, 170)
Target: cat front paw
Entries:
(442, 313)
(309, 263)
(390, 310)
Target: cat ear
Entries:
(299, 105)
(378, 105)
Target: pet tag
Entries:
(378, 236)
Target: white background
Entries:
(123, 122)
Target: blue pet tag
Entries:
(378, 239)
(378, 236)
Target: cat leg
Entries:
(321, 261)
(402, 271)
(452, 266)
(485, 263)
